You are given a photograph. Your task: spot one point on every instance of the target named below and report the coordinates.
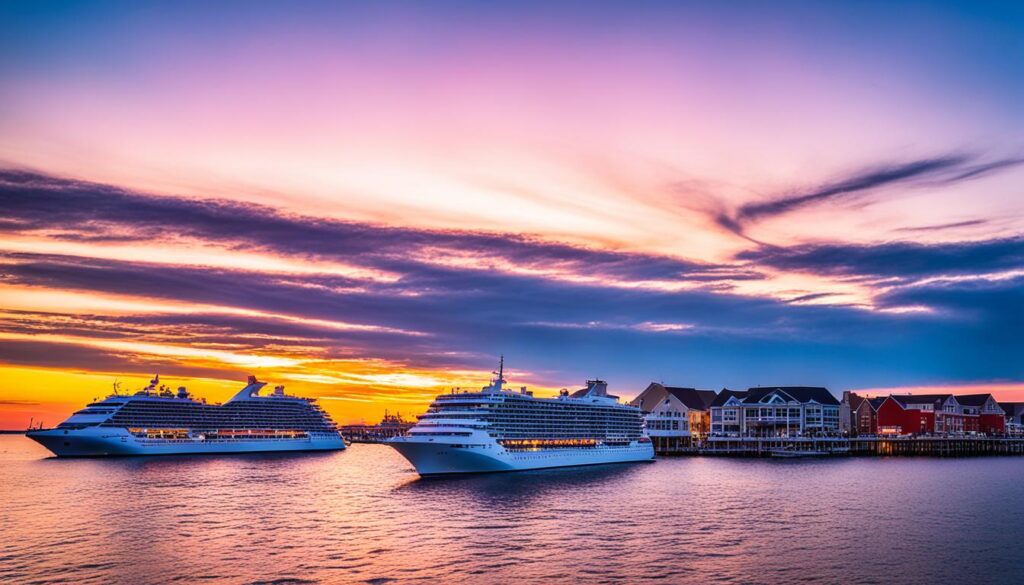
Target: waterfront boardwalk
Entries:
(924, 446)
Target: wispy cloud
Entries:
(902, 260)
(944, 226)
(947, 169)
(439, 312)
(80, 211)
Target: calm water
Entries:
(364, 516)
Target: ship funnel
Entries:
(182, 392)
(251, 389)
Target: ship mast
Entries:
(499, 381)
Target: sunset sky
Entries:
(369, 202)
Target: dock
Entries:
(393, 425)
(923, 446)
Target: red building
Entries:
(940, 414)
(983, 414)
(908, 415)
(863, 413)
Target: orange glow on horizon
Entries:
(51, 395)
(1001, 391)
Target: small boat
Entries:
(795, 453)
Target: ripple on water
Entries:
(361, 516)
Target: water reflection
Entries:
(364, 516)
(191, 460)
(517, 488)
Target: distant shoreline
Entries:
(9, 432)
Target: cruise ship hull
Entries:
(431, 458)
(113, 442)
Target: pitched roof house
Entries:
(726, 412)
(776, 411)
(674, 413)
(862, 414)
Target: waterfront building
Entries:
(982, 414)
(777, 411)
(943, 414)
(845, 415)
(861, 413)
(915, 414)
(789, 411)
(726, 412)
(1014, 417)
(675, 416)
(875, 403)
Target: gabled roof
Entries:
(856, 401)
(800, 394)
(973, 399)
(872, 404)
(693, 399)
(726, 394)
(933, 399)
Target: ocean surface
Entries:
(363, 516)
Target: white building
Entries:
(775, 412)
(675, 416)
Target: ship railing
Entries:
(221, 440)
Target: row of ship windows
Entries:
(216, 420)
(577, 424)
(218, 425)
(218, 416)
(245, 426)
(536, 408)
(556, 436)
(221, 412)
(528, 415)
(221, 415)
(520, 417)
(515, 417)
(528, 435)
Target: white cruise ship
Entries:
(156, 421)
(500, 430)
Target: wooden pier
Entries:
(923, 446)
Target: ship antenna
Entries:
(501, 368)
